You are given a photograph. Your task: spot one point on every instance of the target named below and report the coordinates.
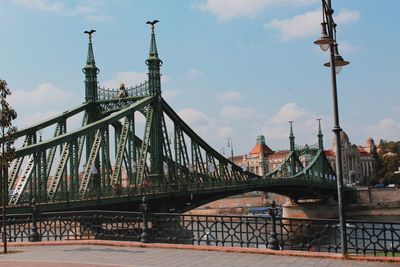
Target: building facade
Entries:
(358, 161)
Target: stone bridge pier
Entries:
(310, 208)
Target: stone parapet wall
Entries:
(378, 195)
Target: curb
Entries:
(308, 254)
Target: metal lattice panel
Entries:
(90, 164)
(144, 148)
(20, 187)
(120, 152)
(16, 167)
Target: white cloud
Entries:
(308, 24)
(289, 112)
(100, 18)
(193, 73)
(41, 5)
(237, 113)
(31, 118)
(170, 94)
(347, 16)
(305, 125)
(39, 104)
(229, 9)
(90, 10)
(193, 116)
(300, 26)
(346, 47)
(83, 10)
(129, 78)
(385, 129)
(210, 129)
(43, 95)
(230, 96)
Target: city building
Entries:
(358, 161)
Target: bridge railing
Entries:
(319, 235)
(153, 190)
(141, 89)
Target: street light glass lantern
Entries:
(324, 41)
(339, 61)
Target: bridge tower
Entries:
(156, 135)
(91, 95)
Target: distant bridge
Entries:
(112, 160)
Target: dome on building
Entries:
(343, 138)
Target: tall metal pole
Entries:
(5, 188)
(336, 129)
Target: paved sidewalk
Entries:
(99, 255)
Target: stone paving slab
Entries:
(102, 255)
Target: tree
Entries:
(7, 138)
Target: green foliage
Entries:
(387, 161)
(7, 115)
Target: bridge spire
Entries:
(320, 136)
(291, 137)
(156, 134)
(90, 71)
(154, 63)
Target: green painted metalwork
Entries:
(120, 149)
(91, 72)
(320, 136)
(90, 169)
(16, 167)
(143, 151)
(155, 165)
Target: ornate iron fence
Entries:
(364, 237)
(141, 89)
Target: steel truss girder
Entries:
(61, 117)
(123, 137)
(236, 172)
(81, 131)
(290, 167)
(65, 152)
(16, 167)
(87, 174)
(52, 151)
(145, 145)
(319, 171)
(20, 187)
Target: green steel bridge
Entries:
(112, 160)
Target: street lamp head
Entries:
(324, 41)
(339, 61)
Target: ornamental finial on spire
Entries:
(90, 71)
(153, 45)
(90, 55)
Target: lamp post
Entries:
(327, 41)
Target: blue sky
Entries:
(232, 68)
